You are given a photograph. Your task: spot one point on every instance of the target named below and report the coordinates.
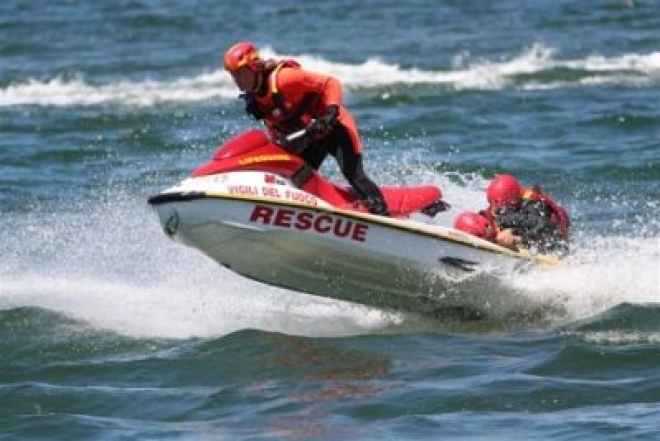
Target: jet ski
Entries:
(259, 211)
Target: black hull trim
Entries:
(165, 198)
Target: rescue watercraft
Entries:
(258, 211)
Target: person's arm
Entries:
(507, 238)
(331, 93)
(297, 84)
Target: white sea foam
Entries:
(78, 92)
(216, 303)
(467, 73)
(602, 273)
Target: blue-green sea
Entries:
(111, 331)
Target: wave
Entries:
(61, 92)
(602, 273)
(625, 323)
(535, 68)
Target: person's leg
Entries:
(339, 143)
(313, 156)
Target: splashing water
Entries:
(112, 267)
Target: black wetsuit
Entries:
(532, 222)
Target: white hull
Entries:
(304, 244)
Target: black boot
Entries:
(377, 206)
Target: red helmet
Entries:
(475, 224)
(504, 190)
(239, 55)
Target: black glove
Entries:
(324, 124)
(436, 207)
(251, 107)
(296, 146)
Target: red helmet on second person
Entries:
(475, 224)
(504, 190)
(241, 54)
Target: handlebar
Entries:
(296, 135)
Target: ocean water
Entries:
(108, 330)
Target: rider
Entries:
(526, 216)
(289, 99)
